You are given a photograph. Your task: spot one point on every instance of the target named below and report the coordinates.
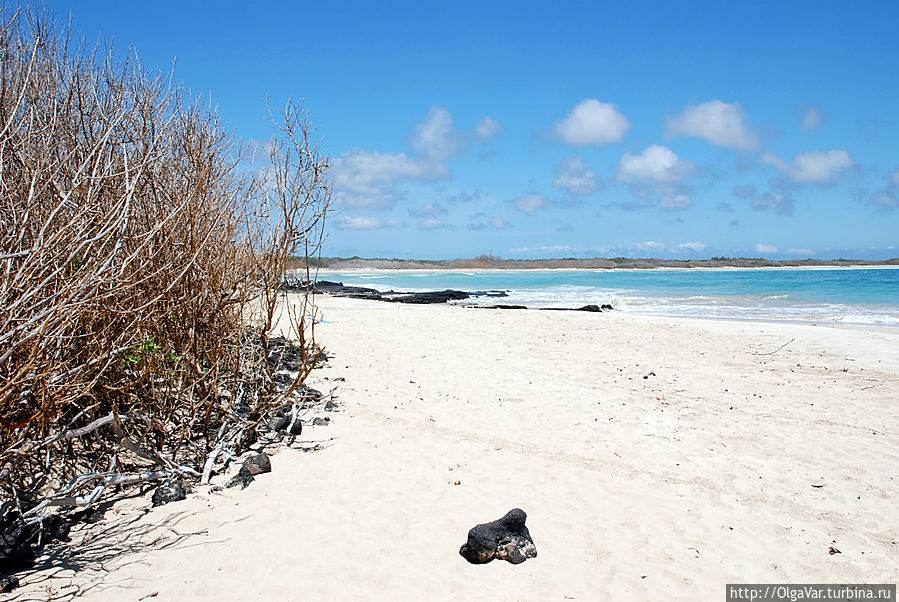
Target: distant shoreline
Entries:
(490, 263)
(361, 269)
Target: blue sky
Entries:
(563, 129)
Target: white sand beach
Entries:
(656, 459)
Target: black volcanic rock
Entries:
(507, 539)
(339, 289)
(173, 491)
(297, 428)
(279, 423)
(15, 548)
(429, 297)
(258, 464)
(243, 478)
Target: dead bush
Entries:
(141, 255)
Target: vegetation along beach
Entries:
(470, 302)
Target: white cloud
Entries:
(545, 249)
(812, 167)
(780, 203)
(574, 176)
(657, 172)
(431, 223)
(746, 191)
(676, 202)
(885, 200)
(482, 222)
(498, 222)
(693, 246)
(367, 179)
(650, 246)
(430, 209)
(486, 129)
(656, 163)
(763, 249)
(592, 122)
(813, 119)
(723, 124)
(437, 136)
(800, 252)
(345, 222)
(530, 203)
(888, 198)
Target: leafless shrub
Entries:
(141, 257)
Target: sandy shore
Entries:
(656, 459)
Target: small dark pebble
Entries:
(330, 406)
(321, 421)
(248, 438)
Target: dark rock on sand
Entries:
(172, 491)
(308, 393)
(15, 548)
(243, 478)
(501, 306)
(595, 308)
(258, 464)
(589, 308)
(248, 439)
(19, 541)
(279, 423)
(606, 307)
(338, 289)
(507, 539)
(297, 428)
(428, 297)
(321, 421)
(7, 584)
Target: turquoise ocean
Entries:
(850, 296)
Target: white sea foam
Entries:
(771, 307)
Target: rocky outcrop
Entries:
(506, 539)
(338, 289)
